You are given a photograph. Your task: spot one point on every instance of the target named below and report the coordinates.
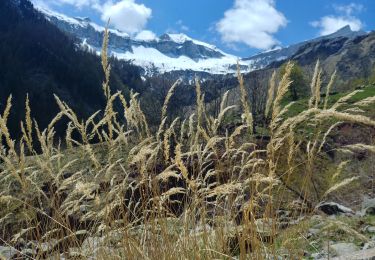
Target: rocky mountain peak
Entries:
(345, 31)
(169, 52)
(83, 19)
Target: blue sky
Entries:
(240, 27)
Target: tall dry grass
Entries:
(181, 192)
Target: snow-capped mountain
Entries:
(263, 59)
(169, 52)
(176, 52)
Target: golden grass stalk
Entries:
(339, 170)
(5, 132)
(361, 147)
(344, 99)
(166, 140)
(346, 117)
(167, 99)
(106, 66)
(181, 166)
(7, 109)
(200, 102)
(282, 90)
(27, 131)
(329, 86)
(330, 129)
(365, 102)
(314, 83)
(340, 185)
(244, 100)
(271, 93)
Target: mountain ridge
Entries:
(264, 59)
(176, 52)
(166, 53)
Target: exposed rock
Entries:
(342, 249)
(369, 245)
(370, 229)
(319, 255)
(368, 254)
(7, 252)
(28, 252)
(333, 208)
(91, 243)
(264, 226)
(313, 231)
(368, 206)
(370, 211)
(316, 218)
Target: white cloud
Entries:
(94, 4)
(78, 3)
(145, 35)
(182, 26)
(331, 23)
(126, 15)
(252, 22)
(40, 3)
(349, 9)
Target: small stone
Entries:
(29, 252)
(369, 245)
(75, 252)
(319, 255)
(370, 211)
(90, 244)
(314, 231)
(316, 218)
(264, 226)
(370, 229)
(201, 229)
(368, 206)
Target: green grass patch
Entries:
(302, 104)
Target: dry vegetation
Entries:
(191, 189)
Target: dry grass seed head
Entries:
(282, 90)
(167, 98)
(314, 83)
(244, 100)
(271, 93)
(329, 86)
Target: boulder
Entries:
(370, 210)
(333, 208)
(342, 249)
(370, 229)
(368, 245)
(368, 206)
(7, 252)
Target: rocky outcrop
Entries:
(266, 58)
(333, 208)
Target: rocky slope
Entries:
(352, 58)
(263, 59)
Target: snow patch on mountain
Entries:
(166, 53)
(78, 21)
(182, 38)
(153, 59)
